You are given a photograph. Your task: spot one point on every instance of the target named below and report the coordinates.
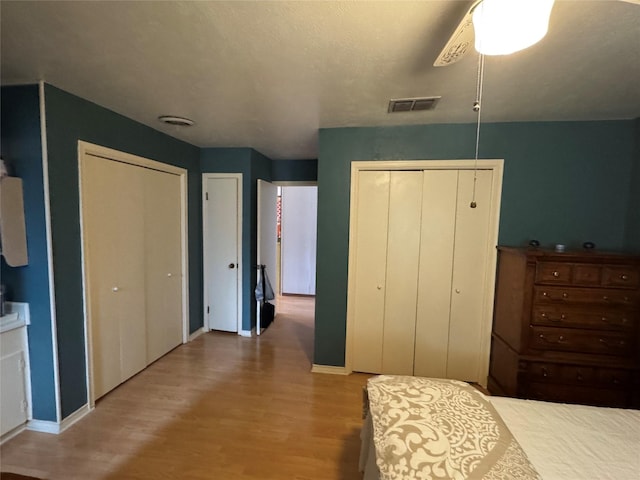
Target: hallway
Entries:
(221, 407)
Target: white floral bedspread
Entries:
(428, 429)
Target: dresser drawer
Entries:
(554, 273)
(586, 275)
(578, 374)
(569, 316)
(570, 295)
(587, 395)
(582, 341)
(620, 277)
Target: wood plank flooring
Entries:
(221, 407)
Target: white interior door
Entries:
(370, 267)
(421, 269)
(113, 206)
(163, 249)
(403, 251)
(267, 235)
(439, 200)
(222, 252)
(298, 240)
(469, 280)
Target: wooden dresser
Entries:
(566, 327)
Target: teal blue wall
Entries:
(564, 182)
(22, 148)
(294, 170)
(69, 119)
(633, 221)
(253, 166)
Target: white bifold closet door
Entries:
(420, 272)
(131, 222)
(163, 239)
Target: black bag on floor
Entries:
(267, 314)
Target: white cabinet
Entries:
(14, 368)
(132, 229)
(421, 257)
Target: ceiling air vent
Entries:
(412, 104)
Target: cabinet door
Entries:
(439, 201)
(403, 247)
(466, 328)
(370, 270)
(163, 247)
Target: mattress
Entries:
(430, 428)
(571, 442)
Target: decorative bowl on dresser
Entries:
(566, 327)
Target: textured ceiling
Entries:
(268, 75)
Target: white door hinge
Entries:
(24, 406)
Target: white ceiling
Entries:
(268, 75)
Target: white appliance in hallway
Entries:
(298, 239)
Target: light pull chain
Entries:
(476, 108)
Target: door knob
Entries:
(169, 275)
(115, 289)
(232, 265)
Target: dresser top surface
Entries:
(577, 255)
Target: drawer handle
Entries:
(565, 295)
(557, 274)
(624, 277)
(605, 298)
(607, 344)
(605, 319)
(544, 372)
(615, 381)
(544, 294)
(579, 376)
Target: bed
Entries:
(423, 428)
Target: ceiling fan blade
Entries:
(460, 42)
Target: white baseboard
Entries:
(196, 334)
(330, 369)
(12, 433)
(247, 333)
(55, 427)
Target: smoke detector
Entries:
(177, 121)
(412, 104)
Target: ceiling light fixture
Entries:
(503, 27)
(177, 121)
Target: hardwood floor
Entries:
(221, 407)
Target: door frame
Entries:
(497, 166)
(86, 148)
(206, 276)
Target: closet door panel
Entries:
(403, 244)
(129, 195)
(162, 238)
(469, 267)
(100, 221)
(370, 270)
(439, 198)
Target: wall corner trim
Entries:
(56, 428)
(329, 369)
(196, 334)
(247, 333)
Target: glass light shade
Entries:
(507, 26)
